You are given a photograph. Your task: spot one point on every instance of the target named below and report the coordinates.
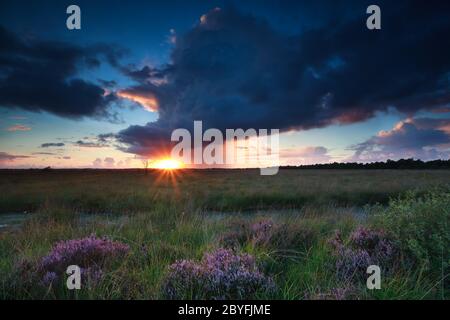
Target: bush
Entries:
(91, 254)
(219, 275)
(238, 235)
(261, 232)
(363, 248)
(421, 226)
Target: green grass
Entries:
(163, 221)
(132, 190)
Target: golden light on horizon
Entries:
(167, 164)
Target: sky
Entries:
(110, 95)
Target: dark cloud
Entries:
(107, 83)
(42, 76)
(7, 157)
(52, 144)
(235, 70)
(144, 74)
(105, 137)
(421, 138)
(44, 153)
(145, 140)
(88, 144)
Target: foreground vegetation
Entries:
(298, 235)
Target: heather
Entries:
(226, 235)
(364, 247)
(91, 254)
(220, 275)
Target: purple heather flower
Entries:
(91, 254)
(364, 247)
(221, 274)
(49, 278)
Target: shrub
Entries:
(261, 232)
(219, 275)
(91, 254)
(238, 234)
(376, 243)
(422, 228)
(363, 248)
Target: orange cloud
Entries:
(148, 101)
(18, 127)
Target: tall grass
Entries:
(161, 228)
(133, 191)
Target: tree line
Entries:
(389, 164)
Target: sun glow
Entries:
(148, 101)
(167, 164)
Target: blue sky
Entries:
(337, 91)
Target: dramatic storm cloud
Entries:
(234, 70)
(42, 76)
(422, 138)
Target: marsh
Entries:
(285, 225)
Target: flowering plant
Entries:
(221, 274)
(91, 254)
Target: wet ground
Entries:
(359, 213)
(13, 221)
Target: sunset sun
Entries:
(167, 164)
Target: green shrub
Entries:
(421, 226)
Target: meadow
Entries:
(225, 234)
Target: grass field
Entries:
(310, 233)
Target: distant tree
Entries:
(145, 163)
(389, 164)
